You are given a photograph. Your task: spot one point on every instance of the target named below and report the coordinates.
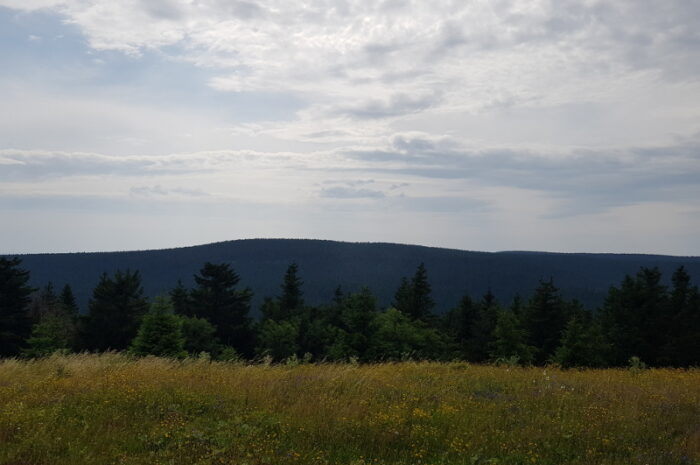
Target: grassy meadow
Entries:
(111, 409)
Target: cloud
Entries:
(160, 191)
(340, 192)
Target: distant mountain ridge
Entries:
(323, 265)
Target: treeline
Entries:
(641, 320)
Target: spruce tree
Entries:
(160, 332)
(582, 344)
(216, 299)
(292, 298)
(413, 298)
(482, 331)
(459, 324)
(115, 311)
(180, 298)
(510, 340)
(546, 315)
(15, 323)
(635, 318)
(683, 334)
(68, 301)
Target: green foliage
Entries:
(116, 308)
(160, 332)
(291, 301)
(15, 324)
(510, 339)
(414, 298)
(546, 315)
(395, 336)
(200, 336)
(53, 333)
(635, 316)
(278, 339)
(216, 299)
(582, 344)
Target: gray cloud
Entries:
(396, 105)
(341, 192)
(588, 181)
(160, 191)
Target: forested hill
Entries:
(323, 265)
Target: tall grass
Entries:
(110, 409)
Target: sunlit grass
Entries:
(112, 409)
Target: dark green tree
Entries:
(291, 301)
(216, 299)
(396, 336)
(115, 311)
(545, 318)
(180, 298)
(582, 343)
(482, 331)
(68, 301)
(635, 318)
(160, 332)
(54, 332)
(15, 323)
(278, 339)
(682, 346)
(510, 340)
(459, 324)
(200, 336)
(413, 298)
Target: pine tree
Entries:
(216, 299)
(292, 298)
(180, 298)
(200, 336)
(582, 343)
(546, 316)
(509, 340)
(15, 323)
(635, 318)
(459, 324)
(482, 333)
(53, 333)
(683, 333)
(413, 298)
(115, 311)
(68, 301)
(160, 332)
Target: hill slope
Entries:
(323, 265)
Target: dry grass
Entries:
(88, 409)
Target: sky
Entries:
(568, 125)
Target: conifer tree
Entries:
(413, 298)
(510, 340)
(115, 311)
(546, 316)
(180, 298)
(635, 318)
(52, 333)
(582, 343)
(160, 332)
(15, 323)
(68, 301)
(482, 336)
(683, 334)
(216, 299)
(200, 336)
(292, 299)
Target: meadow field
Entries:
(112, 409)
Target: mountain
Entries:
(323, 265)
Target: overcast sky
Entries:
(567, 125)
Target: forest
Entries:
(641, 322)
